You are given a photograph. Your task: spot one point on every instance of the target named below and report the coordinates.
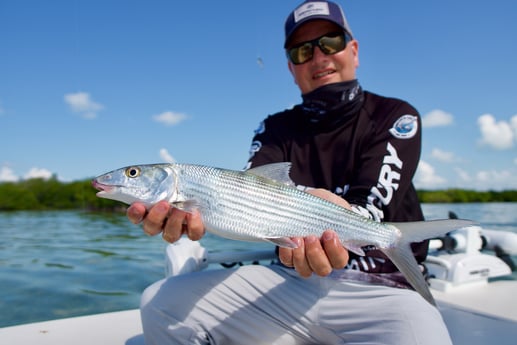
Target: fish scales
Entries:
(261, 204)
(272, 208)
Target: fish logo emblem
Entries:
(405, 127)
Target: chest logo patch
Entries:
(405, 127)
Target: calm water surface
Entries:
(59, 264)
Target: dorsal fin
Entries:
(278, 172)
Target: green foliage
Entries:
(39, 194)
(462, 196)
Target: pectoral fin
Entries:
(187, 205)
(284, 242)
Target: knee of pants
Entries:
(167, 299)
(149, 294)
(163, 322)
(146, 310)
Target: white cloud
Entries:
(170, 118)
(426, 176)
(166, 156)
(498, 135)
(513, 124)
(443, 156)
(437, 118)
(38, 173)
(7, 174)
(463, 175)
(80, 102)
(486, 179)
(492, 179)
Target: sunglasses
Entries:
(329, 44)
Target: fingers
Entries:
(285, 255)
(174, 226)
(195, 226)
(299, 256)
(311, 258)
(180, 222)
(336, 253)
(136, 213)
(156, 218)
(165, 219)
(315, 255)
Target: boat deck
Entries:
(492, 320)
(490, 299)
(117, 328)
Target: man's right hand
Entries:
(165, 219)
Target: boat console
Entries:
(456, 260)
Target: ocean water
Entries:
(57, 264)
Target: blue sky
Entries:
(91, 86)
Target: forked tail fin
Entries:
(402, 256)
(419, 231)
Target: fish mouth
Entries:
(102, 188)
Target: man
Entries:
(362, 147)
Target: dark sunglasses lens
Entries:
(332, 45)
(301, 54)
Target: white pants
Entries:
(273, 305)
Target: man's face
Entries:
(322, 69)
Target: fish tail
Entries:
(404, 259)
(402, 256)
(424, 230)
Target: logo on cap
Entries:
(311, 9)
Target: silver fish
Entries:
(262, 204)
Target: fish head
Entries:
(148, 184)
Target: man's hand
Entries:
(317, 255)
(165, 219)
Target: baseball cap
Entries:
(311, 10)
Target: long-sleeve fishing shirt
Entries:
(359, 145)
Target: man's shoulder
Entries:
(286, 115)
(377, 105)
(376, 100)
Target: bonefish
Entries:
(262, 204)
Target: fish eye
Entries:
(133, 172)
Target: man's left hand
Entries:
(317, 255)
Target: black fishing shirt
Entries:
(359, 145)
